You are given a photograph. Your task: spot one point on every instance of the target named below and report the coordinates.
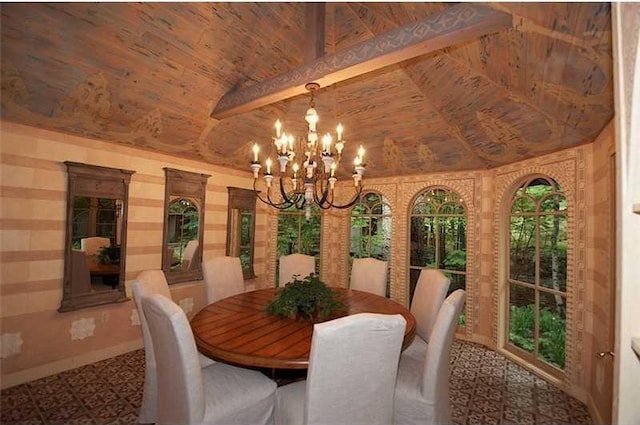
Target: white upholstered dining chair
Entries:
(352, 373)
(422, 387)
(369, 274)
(92, 245)
(220, 394)
(431, 290)
(291, 265)
(150, 282)
(189, 254)
(222, 277)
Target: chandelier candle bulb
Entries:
(256, 149)
(268, 162)
(278, 127)
(339, 131)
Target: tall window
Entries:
(371, 229)
(537, 275)
(296, 234)
(439, 237)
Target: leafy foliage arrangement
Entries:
(309, 298)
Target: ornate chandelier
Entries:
(312, 175)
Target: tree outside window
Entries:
(296, 234)
(439, 237)
(371, 230)
(537, 272)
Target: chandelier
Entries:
(311, 177)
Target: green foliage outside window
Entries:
(296, 234)
(551, 341)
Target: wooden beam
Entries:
(455, 25)
(314, 46)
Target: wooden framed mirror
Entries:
(96, 236)
(184, 202)
(241, 228)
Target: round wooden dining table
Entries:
(238, 330)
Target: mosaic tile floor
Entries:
(486, 388)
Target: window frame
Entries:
(533, 358)
(191, 186)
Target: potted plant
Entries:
(307, 298)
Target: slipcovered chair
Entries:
(369, 274)
(431, 290)
(220, 394)
(151, 282)
(295, 265)
(92, 245)
(222, 277)
(422, 388)
(189, 253)
(352, 373)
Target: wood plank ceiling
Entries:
(151, 74)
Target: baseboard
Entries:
(52, 368)
(478, 339)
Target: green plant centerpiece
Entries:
(307, 298)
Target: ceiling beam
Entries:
(314, 15)
(457, 24)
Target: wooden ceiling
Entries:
(473, 95)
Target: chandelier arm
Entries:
(282, 191)
(268, 201)
(351, 203)
(325, 193)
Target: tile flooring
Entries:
(486, 388)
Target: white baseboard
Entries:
(52, 368)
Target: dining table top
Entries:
(238, 330)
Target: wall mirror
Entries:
(241, 227)
(96, 233)
(184, 202)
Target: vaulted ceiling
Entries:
(485, 85)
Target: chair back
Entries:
(92, 245)
(435, 378)
(80, 275)
(222, 277)
(149, 282)
(429, 295)
(295, 265)
(180, 386)
(189, 253)
(353, 365)
(369, 274)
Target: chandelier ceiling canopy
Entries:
(306, 167)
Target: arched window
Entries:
(439, 237)
(297, 234)
(371, 229)
(537, 273)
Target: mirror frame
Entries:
(97, 182)
(184, 184)
(241, 199)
